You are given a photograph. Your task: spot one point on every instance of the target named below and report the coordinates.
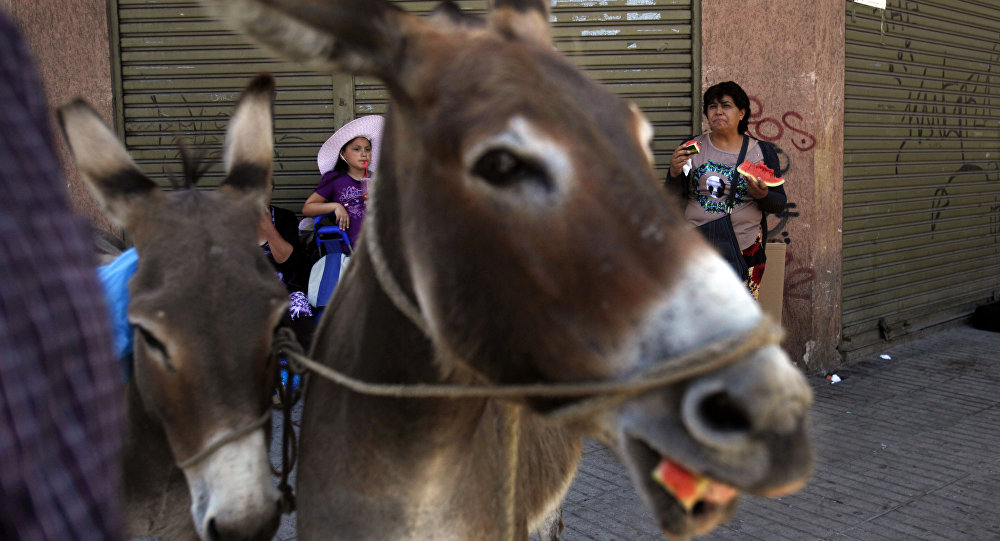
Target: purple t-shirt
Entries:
(341, 188)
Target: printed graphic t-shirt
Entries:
(712, 170)
(341, 188)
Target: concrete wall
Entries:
(73, 53)
(790, 61)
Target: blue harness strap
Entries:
(114, 279)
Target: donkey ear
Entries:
(527, 20)
(104, 164)
(249, 145)
(447, 13)
(364, 37)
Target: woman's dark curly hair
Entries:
(740, 99)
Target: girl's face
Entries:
(358, 154)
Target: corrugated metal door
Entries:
(641, 49)
(922, 167)
(181, 70)
(180, 73)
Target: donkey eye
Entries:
(153, 344)
(503, 168)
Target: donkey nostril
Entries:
(720, 412)
(213, 532)
(699, 508)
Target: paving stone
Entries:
(724, 534)
(873, 532)
(816, 505)
(977, 500)
(917, 485)
(894, 528)
(793, 520)
(935, 471)
(890, 494)
(960, 519)
(938, 525)
(842, 537)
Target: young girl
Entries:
(346, 161)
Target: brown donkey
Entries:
(204, 302)
(517, 235)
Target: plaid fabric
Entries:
(61, 404)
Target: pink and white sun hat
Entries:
(369, 127)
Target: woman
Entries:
(708, 178)
(346, 161)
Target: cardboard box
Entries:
(772, 286)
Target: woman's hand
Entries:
(677, 161)
(343, 218)
(756, 188)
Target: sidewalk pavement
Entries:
(904, 450)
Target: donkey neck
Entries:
(360, 318)
(436, 459)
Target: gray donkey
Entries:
(204, 303)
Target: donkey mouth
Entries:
(685, 503)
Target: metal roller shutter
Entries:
(179, 75)
(641, 49)
(180, 70)
(921, 235)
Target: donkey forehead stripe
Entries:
(235, 477)
(706, 303)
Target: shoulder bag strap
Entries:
(734, 175)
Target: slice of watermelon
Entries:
(691, 146)
(760, 172)
(689, 488)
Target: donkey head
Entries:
(204, 303)
(517, 206)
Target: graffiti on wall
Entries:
(789, 129)
(995, 219)
(779, 229)
(943, 107)
(202, 131)
(798, 277)
(770, 129)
